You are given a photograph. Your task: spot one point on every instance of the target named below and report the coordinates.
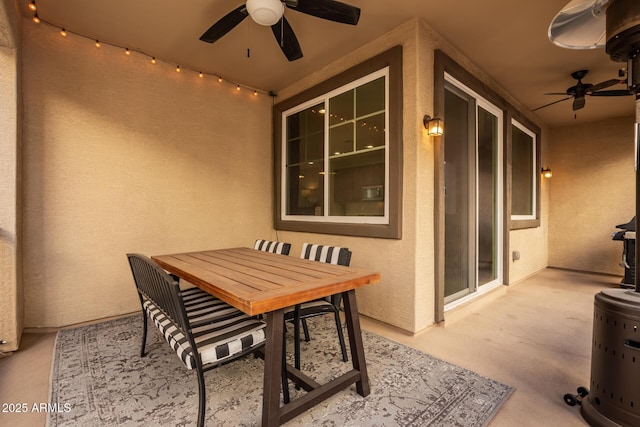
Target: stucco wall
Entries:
(592, 190)
(11, 301)
(125, 156)
(405, 297)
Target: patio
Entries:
(535, 337)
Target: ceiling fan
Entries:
(581, 90)
(271, 13)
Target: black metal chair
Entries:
(331, 305)
(204, 331)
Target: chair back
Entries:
(273, 247)
(154, 284)
(329, 254)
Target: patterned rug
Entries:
(99, 379)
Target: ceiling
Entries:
(505, 38)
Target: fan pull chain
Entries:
(248, 53)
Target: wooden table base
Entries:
(272, 413)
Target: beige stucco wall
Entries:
(125, 156)
(11, 290)
(592, 190)
(405, 297)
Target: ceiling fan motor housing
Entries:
(623, 37)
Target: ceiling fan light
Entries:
(265, 12)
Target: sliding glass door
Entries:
(473, 193)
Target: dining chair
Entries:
(273, 247)
(204, 331)
(329, 305)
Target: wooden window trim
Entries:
(393, 230)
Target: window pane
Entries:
(341, 139)
(306, 189)
(522, 176)
(305, 161)
(370, 97)
(370, 132)
(357, 184)
(487, 196)
(341, 108)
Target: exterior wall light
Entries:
(434, 126)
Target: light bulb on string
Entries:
(127, 51)
(36, 19)
(63, 33)
(33, 6)
(153, 60)
(238, 88)
(178, 69)
(97, 43)
(200, 75)
(219, 79)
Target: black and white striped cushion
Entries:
(329, 254)
(220, 330)
(273, 247)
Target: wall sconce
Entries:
(434, 126)
(546, 172)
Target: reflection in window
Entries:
(523, 175)
(336, 154)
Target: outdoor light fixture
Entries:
(434, 126)
(546, 172)
(265, 12)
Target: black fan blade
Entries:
(551, 103)
(225, 24)
(327, 9)
(578, 103)
(603, 85)
(620, 92)
(286, 39)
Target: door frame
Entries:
(444, 64)
(476, 289)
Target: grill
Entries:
(627, 235)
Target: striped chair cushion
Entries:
(329, 254)
(219, 330)
(273, 247)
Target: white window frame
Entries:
(534, 172)
(326, 217)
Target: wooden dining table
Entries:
(259, 282)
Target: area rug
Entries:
(99, 379)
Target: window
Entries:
(338, 151)
(335, 167)
(523, 172)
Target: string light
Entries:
(63, 32)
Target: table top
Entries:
(257, 282)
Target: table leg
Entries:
(355, 341)
(273, 355)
